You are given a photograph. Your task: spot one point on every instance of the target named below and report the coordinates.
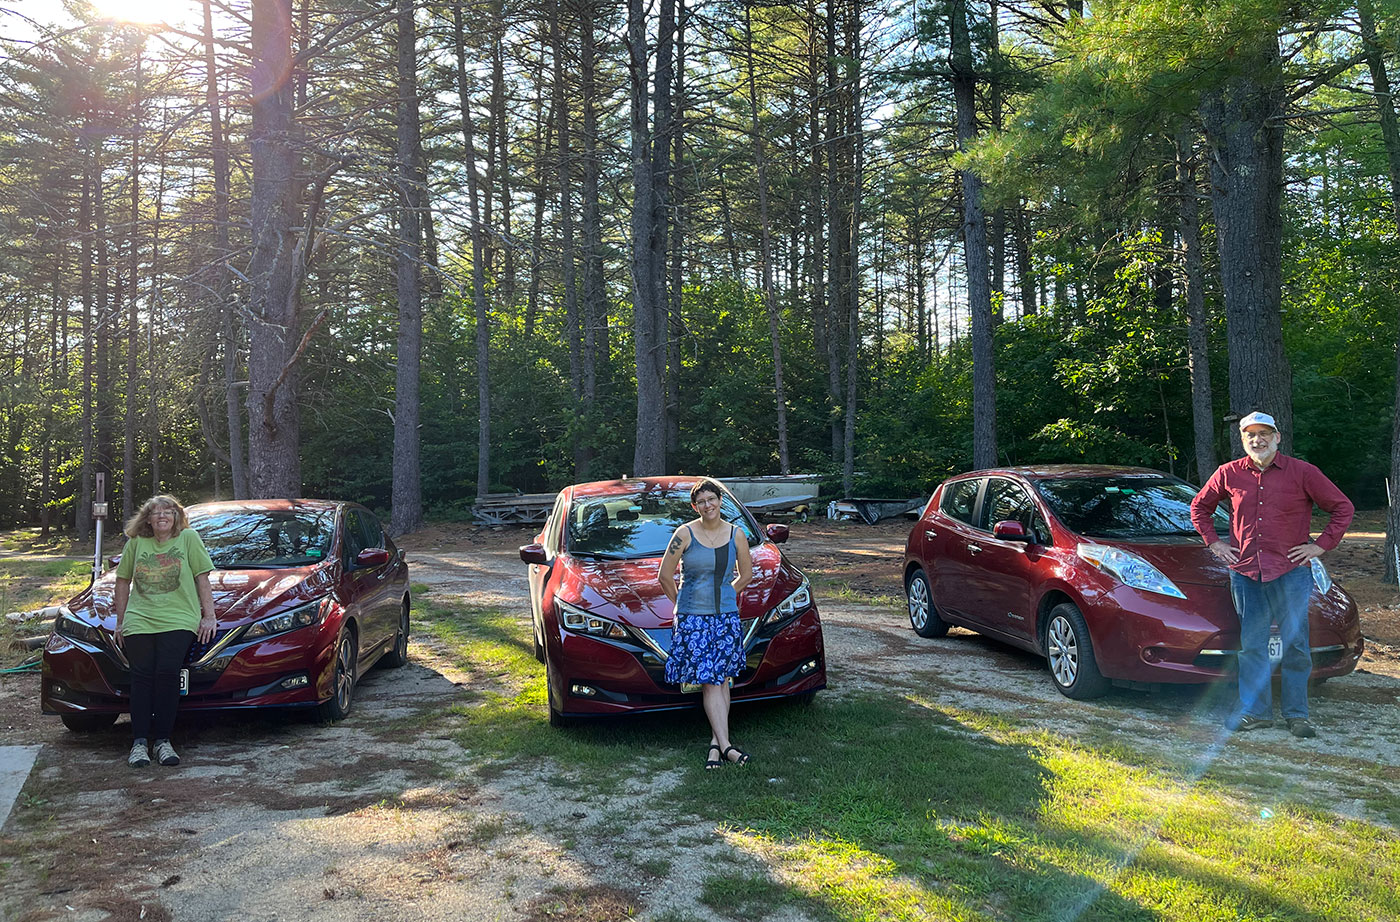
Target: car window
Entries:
(1007, 500)
(554, 526)
(638, 524)
(370, 530)
(1142, 507)
(265, 539)
(354, 535)
(960, 500)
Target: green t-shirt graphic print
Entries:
(163, 593)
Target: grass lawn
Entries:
(27, 584)
(895, 806)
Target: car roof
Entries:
(1047, 471)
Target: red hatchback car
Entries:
(308, 595)
(602, 626)
(1099, 570)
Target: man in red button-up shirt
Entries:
(1270, 553)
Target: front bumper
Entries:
(592, 677)
(280, 671)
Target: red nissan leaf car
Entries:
(308, 595)
(602, 626)
(1099, 570)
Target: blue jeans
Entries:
(1283, 601)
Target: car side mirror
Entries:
(1010, 530)
(371, 557)
(533, 553)
(776, 533)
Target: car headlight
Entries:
(799, 600)
(581, 621)
(301, 616)
(71, 626)
(1321, 578)
(1129, 569)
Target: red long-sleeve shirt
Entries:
(1271, 512)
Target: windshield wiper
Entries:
(602, 555)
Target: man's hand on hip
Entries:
(1223, 551)
(1305, 552)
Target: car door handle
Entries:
(974, 549)
(930, 533)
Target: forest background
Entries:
(408, 253)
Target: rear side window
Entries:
(960, 500)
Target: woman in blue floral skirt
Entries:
(706, 647)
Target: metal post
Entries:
(99, 514)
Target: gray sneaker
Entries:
(1300, 728)
(139, 756)
(165, 753)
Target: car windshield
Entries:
(258, 539)
(622, 526)
(1137, 508)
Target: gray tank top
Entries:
(705, 574)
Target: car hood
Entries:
(1186, 563)
(630, 590)
(240, 596)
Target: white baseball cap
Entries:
(1258, 419)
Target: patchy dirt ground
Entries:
(385, 817)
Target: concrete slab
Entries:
(15, 763)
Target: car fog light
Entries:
(1152, 654)
(809, 666)
(296, 681)
(56, 689)
(583, 691)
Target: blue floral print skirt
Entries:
(705, 649)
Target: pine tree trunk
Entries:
(1246, 140)
(648, 453)
(274, 463)
(233, 413)
(1390, 134)
(594, 314)
(133, 321)
(984, 421)
(857, 144)
(1197, 329)
(474, 209)
(82, 520)
(407, 497)
(766, 247)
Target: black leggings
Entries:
(155, 680)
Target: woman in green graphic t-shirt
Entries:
(162, 602)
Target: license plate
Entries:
(185, 680)
(1275, 649)
(688, 688)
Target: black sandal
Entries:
(712, 764)
(743, 756)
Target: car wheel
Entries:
(398, 656)
(88, 723)
(343, 679)
(1071, 654)
(923, 614)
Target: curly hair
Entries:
(139, 525)
(705, 485)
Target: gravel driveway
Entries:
(384, 816)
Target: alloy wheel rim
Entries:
(342, 675)
(918, 602)
(403, 636)
(1064, 652)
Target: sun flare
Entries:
(174, 12)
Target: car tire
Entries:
(923, 613)
(535, 639)
(342, 679)
(1070, 653)
(398, 653)
(88, 723)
